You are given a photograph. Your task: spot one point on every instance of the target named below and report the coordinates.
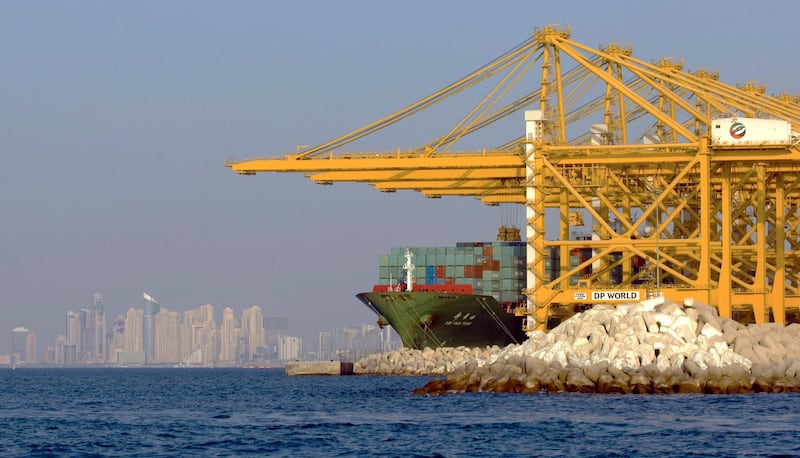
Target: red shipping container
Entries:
(487, 251)
(441, 271)
(449, 281)
(469, 272)
(473, 272)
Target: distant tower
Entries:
(86, 341)
(228, 337)
(100, 352)
(325, 346)
(18, 345)
(151, 307)
(253, 329)
(73, 328)
(166, 337)
(132, 330)
(31, 350)
(199, 336)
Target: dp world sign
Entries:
(616, 296)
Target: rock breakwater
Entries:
(654, 346)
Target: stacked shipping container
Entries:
(497, 269)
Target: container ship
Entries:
(464, 295)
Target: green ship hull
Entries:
(441, 319)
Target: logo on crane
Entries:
(738, 130)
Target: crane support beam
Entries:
(682, 185)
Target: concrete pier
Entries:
(319, 368)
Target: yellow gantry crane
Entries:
(638, 178)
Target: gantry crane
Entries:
(653, 189)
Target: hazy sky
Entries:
(116, 119)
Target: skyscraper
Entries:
(18, 345)
(73, 329)
(289, 347)
(86, 341)
(151, 307)
(100, 350)
(166, 325)
(199, 336)
(325, 346)
(133, 330)
(31, 351)
(116, 343)
(228, 337)
(253, 329)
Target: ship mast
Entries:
(409, 268)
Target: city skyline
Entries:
(236, 341)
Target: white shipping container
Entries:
(750, 131)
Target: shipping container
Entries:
(512, 273)
(511, 285)
(473, 271)
(508, 296)
(441, 271)
(737, 131)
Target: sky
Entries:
(116, 119)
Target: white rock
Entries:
(650, 304)
(709, 330)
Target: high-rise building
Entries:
(116, 343)
(253, 329)
(86, 341)
(289, 347)
(73, 336)
(325, 346)
(199, 336)
(133, 330)
(31, 356)
(229, 334)
(151, 307)
(167, 338)
(58, 351)
(99, 350)
(19, 337)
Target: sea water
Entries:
(262, 412)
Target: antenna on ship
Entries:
(409, 268)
